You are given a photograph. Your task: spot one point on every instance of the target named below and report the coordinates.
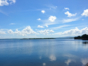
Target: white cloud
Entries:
(52, 18)
(3, 2)
(2, 32)
(69, 20)
(74, 32)
(25, 31)
(46, 25)
(6, 2)
(39, 19)
(3, 12)
(12, 1)
(55, 28)
(69, 14)
(46, 31)
(43, 11)
(52, 6)
(10, 31)
(51, 31)
(39, 26)
(12, 23)
(52, 58)
(85, 13)
(84, 61)
(66, 8)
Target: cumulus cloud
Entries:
(52, 18)
(46, 31)
(39, 26)
(2, 32)
(39, 19)
(43, 11)
(74, 32)
(6, 2)
(25, 31)
(85, 13)
(51, 31)
(52, 58)
(69, 14)
(10, 31)
(66, 8)
(12, 1)
(49, 21)
(69, 20)
(3, 2)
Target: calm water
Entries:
(43, 52)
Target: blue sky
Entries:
(43, 18)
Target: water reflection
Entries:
(44, 64)
(84, 61)
(40, 57)
(70, 56)
(85, 42)
(69, 61)
(52, 58)
(52, 52)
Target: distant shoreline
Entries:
(37, 38)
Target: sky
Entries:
(43, 18)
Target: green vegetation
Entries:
(83, 37)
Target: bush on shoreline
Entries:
(83, 37)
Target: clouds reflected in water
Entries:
(69, 61)
(52, 58)
(84, 61)
(44, 64)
